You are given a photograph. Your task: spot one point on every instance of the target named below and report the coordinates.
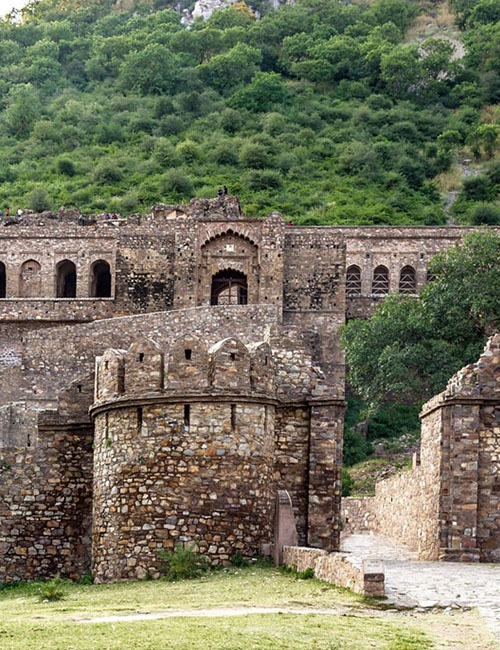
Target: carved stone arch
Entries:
(229, 287)
(187, 363)
(224, 232)
(229, 365)
(353, 281)
(380, 283)
(408, 280)
(225, 251)
(143, 367)
(30, 279)
(65, 279)
(100, 279)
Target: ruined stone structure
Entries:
(448, 506)
(219, 379)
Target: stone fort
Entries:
(164, 375)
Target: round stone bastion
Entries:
(184, 446)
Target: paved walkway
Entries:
(410, 583)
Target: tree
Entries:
(265, 89)
(151, 71)
(38, 199)
(485, 214)
(400, 70)
(237, 65)
(484, 137)
(23, 109)
(410, 347)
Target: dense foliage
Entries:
(409, 348)
(321, 110)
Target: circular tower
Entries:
(184, 446)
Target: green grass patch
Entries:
(256, 632)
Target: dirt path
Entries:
(221, 612)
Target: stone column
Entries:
(325, 474)
(459, 487)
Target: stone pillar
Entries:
(271, 260)
(460, 482)
(325, 475)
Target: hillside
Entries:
(329, 112)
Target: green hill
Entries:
(326, 111)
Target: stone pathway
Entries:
(411, 583)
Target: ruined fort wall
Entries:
(291, 468)
(159, 481)
(447, 506)
(407, 506)
(488, 514)
(314, 293)
(45, 505)
(52, 358)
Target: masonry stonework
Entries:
(448, 506)
(219, 381)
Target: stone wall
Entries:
(447, 506)
(365, 577)
(45, 501)
(200, 461)
(159, 481)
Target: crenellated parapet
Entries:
(229, 366)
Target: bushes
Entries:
(485, 214)
(183, 563)
(52, 590)
(66, 166)
(347, 483)
(175, 182)
(38, 200)
(107, 171)
(262, 179)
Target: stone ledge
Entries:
(365, 577)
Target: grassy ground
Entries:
(351, 624)
(368, 472)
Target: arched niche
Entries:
(30, 279)
(100, 279)
(143, 367)
(380, 284)
(187, 363)
(229, 365)
(407, 280)
(229, 270)
(66, 279)
(353, 281)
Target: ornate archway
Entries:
(229, 287)
(229, 271)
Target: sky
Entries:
(7, 5)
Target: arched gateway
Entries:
(229, 287)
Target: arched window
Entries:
(100, 280)
(430, 277)
(30, 281)
(380, 285)
(229, 287)
(3, 281)
(407, 280)
(353, 281)
(66, 279)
